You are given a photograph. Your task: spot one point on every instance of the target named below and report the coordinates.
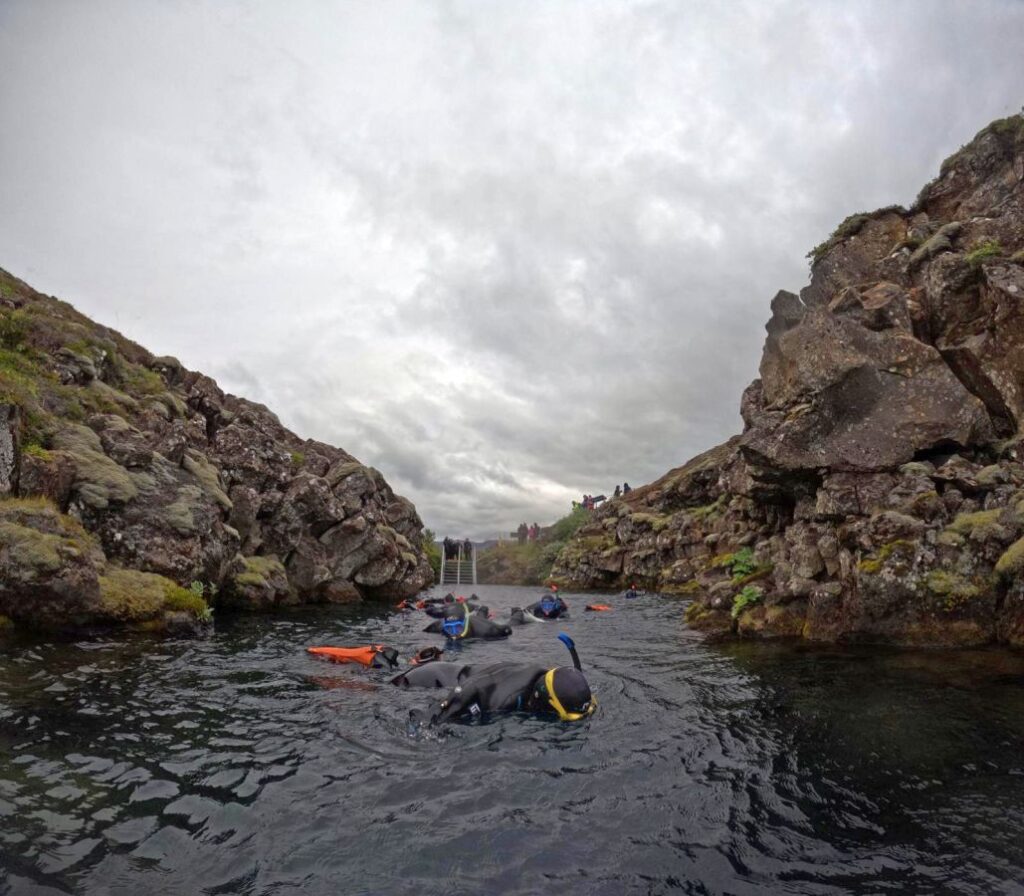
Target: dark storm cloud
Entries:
(505, 253)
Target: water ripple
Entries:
(238, 764)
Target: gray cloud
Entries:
(505, 253)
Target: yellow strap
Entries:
(563, 714)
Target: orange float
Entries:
(362, 655)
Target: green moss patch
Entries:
(257, 571)
(901, 550)
(982, 525)
(655, 521)
(983, 250)
(1011, 563)
(199, 466)
(128, 595)
(98, 479)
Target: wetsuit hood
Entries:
(567, 693)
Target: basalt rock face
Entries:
(141, 466)
(877, 491)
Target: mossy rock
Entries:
(707, 510)
(209, 478)
(1011, 563)
(37, 536)
(32, 551)
(951, 539)
(953, 588)
(256, 583)
(900, 550)
(684, 589)
(99, 481)
(180, 514)
(258, 571)
(992, 476)
(168, 405)
(100, 397)
(656, 521)
(342, 470)
(983, 525)
(131, 596)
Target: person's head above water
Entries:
(456, 621)
(566, 691)
(454, 626)
(548, 604)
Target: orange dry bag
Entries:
(365, 656)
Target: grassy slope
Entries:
(511, 563)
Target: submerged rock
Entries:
(876, 492)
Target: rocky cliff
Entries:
(876, 492)
(124, 477)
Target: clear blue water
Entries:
(238, 764)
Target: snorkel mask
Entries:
(455, 627)
(548, 605)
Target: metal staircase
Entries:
(460, 569)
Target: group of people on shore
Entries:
(590, 502)
(452, 546)
(527, 533)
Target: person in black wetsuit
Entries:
(440, 609)
(461, 622)
(548, 608)
(501, 687)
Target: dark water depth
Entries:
(238, 764)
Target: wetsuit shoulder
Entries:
(433, 675)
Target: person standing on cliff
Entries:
(521, 532)
(617, 492)
(626, 489)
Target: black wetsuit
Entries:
(498, 687)
(435, 674)
(560, 611)
(439, 611)
(477, 626)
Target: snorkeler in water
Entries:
(462, 622)
(503, 687)
(547, 609)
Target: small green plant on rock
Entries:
(748, 596)
(982, 250)
(742, 564)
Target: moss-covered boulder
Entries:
(149, 602)
(54, 575)
(49, 566)
(256, 583)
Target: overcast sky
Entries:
(505, 252)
